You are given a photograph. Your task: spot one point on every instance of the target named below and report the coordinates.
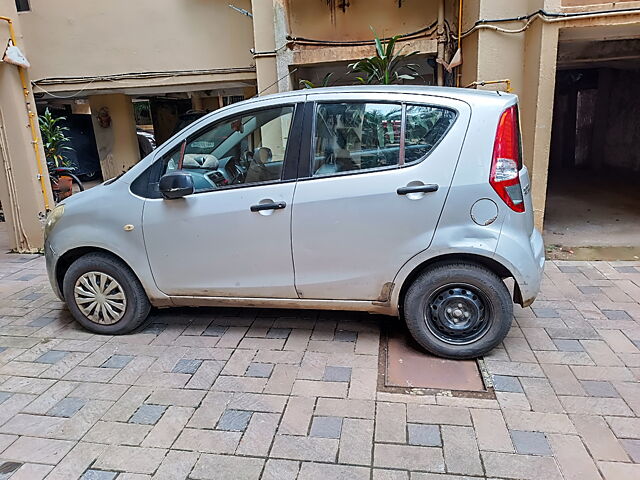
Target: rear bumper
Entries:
(525, 260)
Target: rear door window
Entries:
(354, 137)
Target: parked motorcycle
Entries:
(63, 182)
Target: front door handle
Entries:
(268, 206)
(430, 187)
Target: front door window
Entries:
(241, 150)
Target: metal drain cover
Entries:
(408, 366)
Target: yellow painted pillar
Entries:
(24, 201)
(115, 131)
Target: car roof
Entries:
(471, 96)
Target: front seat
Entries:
(258, 171)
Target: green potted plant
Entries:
(387, 66)
(55, 142)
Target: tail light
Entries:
(507, 161)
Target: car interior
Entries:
(247, 149)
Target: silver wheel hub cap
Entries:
(100, 298)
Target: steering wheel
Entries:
(236, 171)
(246, 158)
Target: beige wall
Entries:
(313, 18)
(90, 38)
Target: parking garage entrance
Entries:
(593, 195)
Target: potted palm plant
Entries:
(387, 66)
(55, 142)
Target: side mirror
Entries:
(176, 184)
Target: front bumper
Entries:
(51, 260)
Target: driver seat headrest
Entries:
(262, 155)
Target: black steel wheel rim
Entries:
(458, 314)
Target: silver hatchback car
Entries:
(405, 201)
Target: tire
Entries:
(122, 316)
(458, 310)
(76, 180)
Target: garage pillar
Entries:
(536, 100)
(24, 201)
(115, 130)
(264, 45)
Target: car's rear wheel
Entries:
(104, 295)
(458, 310)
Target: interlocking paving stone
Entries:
(545, 312)
(52, 356)
(568, 269)
(227, 467)
(67, 407)
(337, 374)
(234, 420)
(326, 427)
(7, 469)
(130, 459)
(633, 449)
(530, 443)
(117, 361)
(568, 345)
(33, 296)
(187, 366)
(599, 388)
(98, 475)
(4, 396)
(345, 336)
(278, 333)
(320, 471)
(155, 328)
(262, 370)
(41, 322)
(148, 414)
(424, 435)
(616, 315)
(626, 269)
(503, 383)
(589, 290)
(527, 467)
(409, 457)
(304, 448)
(215, 331)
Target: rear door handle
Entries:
(268, 206)
(430, 187)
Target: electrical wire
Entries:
(543, 15)
(141, 75)
(277, 81)
(73, 95)
(425, 31)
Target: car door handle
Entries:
(430, 187)
(268, 206)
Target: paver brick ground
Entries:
(245, 393)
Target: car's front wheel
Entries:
(104, 295)
(458, 310)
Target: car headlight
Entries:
(52, 219)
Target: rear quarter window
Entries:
(425, 126)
